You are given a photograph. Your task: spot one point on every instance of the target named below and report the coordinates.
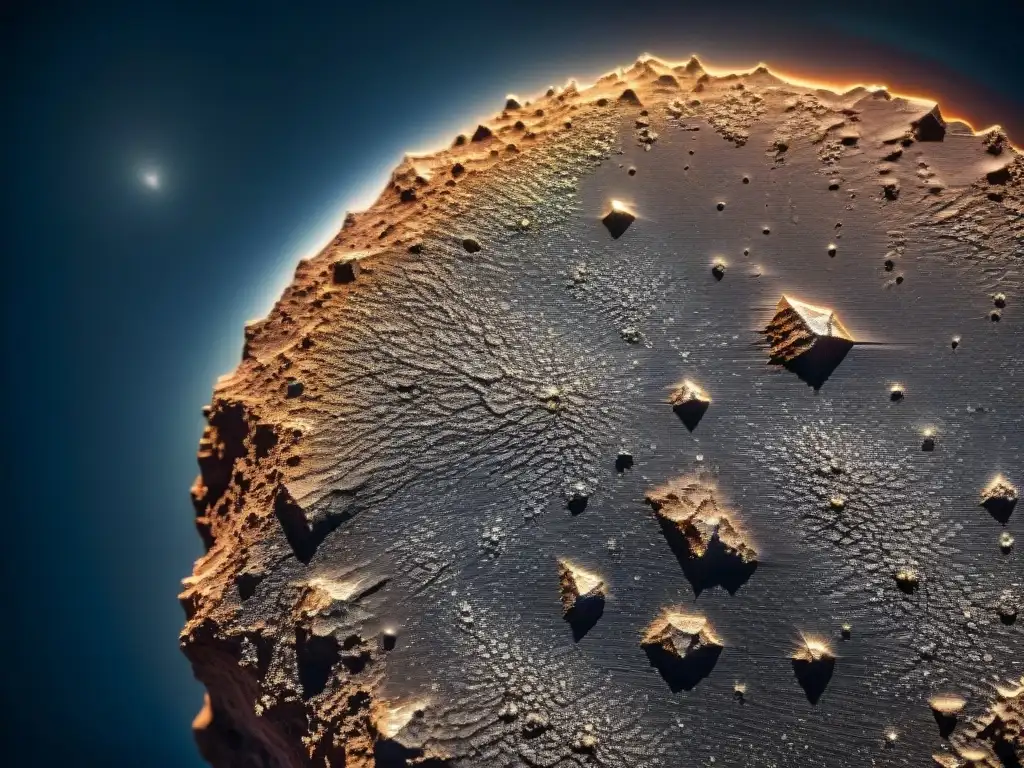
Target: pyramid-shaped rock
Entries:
(581, 589)
(688, 506)
(798, 327)
(999, 497)
(680, 634)
(618, 219)
(689, 401)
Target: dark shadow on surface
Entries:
(1007, 753)
(946, 723)
(814, 676)
(691, 413)
(1000, 509)
(576, 504)
(816, 365)
(584, 615)
(683, 674)
(388, 753)
(719, 567)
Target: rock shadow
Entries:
(946, 722)
(690, 413)
(576, 505)
(388, 753)
(817, 364)
(584, 615)
(720, 566)
(683, 673)
(814, 676)
(1000, 509)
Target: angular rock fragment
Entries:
(690, 403)
(631, 334)
(930, 127)
(482, 133)
(618, 219)
(583, 595)
(709, 547)
(807, 339)
(682, 646)
(629, 95)
(928, 441)
(680, 634)
(534, 724)
(999, 497)
(1007, 608)
(907, 580)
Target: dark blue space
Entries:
(122, 304)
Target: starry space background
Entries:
(264, 122)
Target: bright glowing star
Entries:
(151, 179)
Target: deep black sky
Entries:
(266, 119)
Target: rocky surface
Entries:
(468, 385)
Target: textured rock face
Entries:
(467, 388)
(680, 634)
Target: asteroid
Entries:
(482, 355)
